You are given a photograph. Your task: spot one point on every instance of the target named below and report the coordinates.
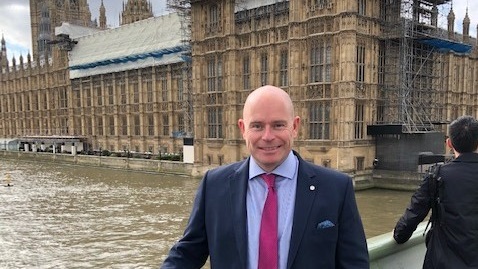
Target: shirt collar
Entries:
(467, 157)
(286, 169)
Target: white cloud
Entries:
(15, 27)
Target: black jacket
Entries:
(453, 241)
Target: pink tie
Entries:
(268, 235)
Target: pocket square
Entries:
(325, 224)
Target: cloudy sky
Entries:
(15, 19)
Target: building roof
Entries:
(154, 41)
(74, 31)
(251, 4)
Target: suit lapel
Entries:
(238, 191)
(304, 200)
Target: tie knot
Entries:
(270, 179)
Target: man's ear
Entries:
(240, 124)
(448, 143)
(296, 125)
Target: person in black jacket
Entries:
(452, 242)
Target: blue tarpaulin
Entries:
(131, 58)
(446, 45)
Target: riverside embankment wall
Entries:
(144, 165)
(396, 180)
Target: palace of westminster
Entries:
(371, 79)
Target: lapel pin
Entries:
(312, 187)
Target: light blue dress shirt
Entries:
(286, 184)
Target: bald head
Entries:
(268, 94)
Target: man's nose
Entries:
(268, 133)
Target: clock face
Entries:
(59, 3)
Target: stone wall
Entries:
(143, 165)
(396, 180)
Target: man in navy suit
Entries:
(319, 225)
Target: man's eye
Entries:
(280, 126)
(256, 126)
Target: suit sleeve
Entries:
(352, 249)
(414, 214)
(191, 251)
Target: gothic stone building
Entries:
(350, 66)
(344, 63)
(128, 86)
(119, 88)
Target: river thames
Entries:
(61, 216)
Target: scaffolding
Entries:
(183, 9)
(411, 72)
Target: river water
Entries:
(62, 216)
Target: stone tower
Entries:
(3, 55)
(136, 10)
(451, 24)
(102, 16)
(466, 27)
(45, 15)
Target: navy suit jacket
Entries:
(327, 230)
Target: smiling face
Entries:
(269, 126)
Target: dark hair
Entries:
(464, 134)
